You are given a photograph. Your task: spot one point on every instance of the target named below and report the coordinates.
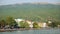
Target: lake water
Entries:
(41, 31)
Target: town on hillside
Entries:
(11, 23)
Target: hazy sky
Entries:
(5, 2)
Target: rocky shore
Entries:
(22, 29)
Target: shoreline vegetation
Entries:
(11, 25)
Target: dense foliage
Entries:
(35, 25)
(24, 24)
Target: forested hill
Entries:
(35, 12)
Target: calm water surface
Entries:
(41, 31)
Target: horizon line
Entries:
(56, 3)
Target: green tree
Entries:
(24, 24)
(2, 23)
(35, 25)
(53, 24)
(10, 21)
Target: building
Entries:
(18, 21)
(30, 23)
(49, 21)
(42, 24)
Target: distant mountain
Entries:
(31, 11)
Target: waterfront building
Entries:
(18, 21)
(30, 23)
(42, 24)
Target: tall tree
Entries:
(2, 23)
(10, 20)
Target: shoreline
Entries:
(22, 29)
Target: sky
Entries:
(6, 2)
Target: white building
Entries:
(18, 21)
(30, 23)
(42, 24)
(49, 22)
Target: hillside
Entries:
(34, 12)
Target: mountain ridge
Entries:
(31, 11)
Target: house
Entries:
(42, 24)
(30, 23)
(58, 26)
(49, 21)
(18, 21)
